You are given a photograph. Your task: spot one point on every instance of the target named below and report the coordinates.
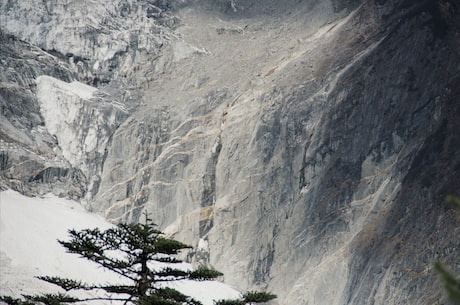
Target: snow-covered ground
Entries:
(29, 229)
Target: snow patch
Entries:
(203, 245)
(62, 105)
(29, 229)
(52, 84)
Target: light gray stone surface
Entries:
(306, 147)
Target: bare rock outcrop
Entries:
(304, 146)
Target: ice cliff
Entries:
(305, 146)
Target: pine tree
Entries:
(131, 251)
(454, 202)
(250, 297)
(450, 282)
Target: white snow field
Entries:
(29, 229)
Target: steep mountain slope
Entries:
(308, 144)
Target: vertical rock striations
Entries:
(30, 155)
(303, 146)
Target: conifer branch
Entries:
(127, 250)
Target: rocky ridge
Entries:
(305, 146)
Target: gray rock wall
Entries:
(30, 159)
(307, 147)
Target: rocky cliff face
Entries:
(305, 146)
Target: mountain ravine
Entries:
(304, 147)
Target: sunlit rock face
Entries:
(305, 146)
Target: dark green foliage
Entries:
(169, 246)
(450, 282)
(230, 302)
(249, 297)
(167, 296)
(165, 272)
(128, 250)
(172, 294)
(66, 284)
(156, 300)
(169, 260)
(119, 289)
(454, 202)
(203, 273)
(258, 297)
(14, 301)
(52, 299)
